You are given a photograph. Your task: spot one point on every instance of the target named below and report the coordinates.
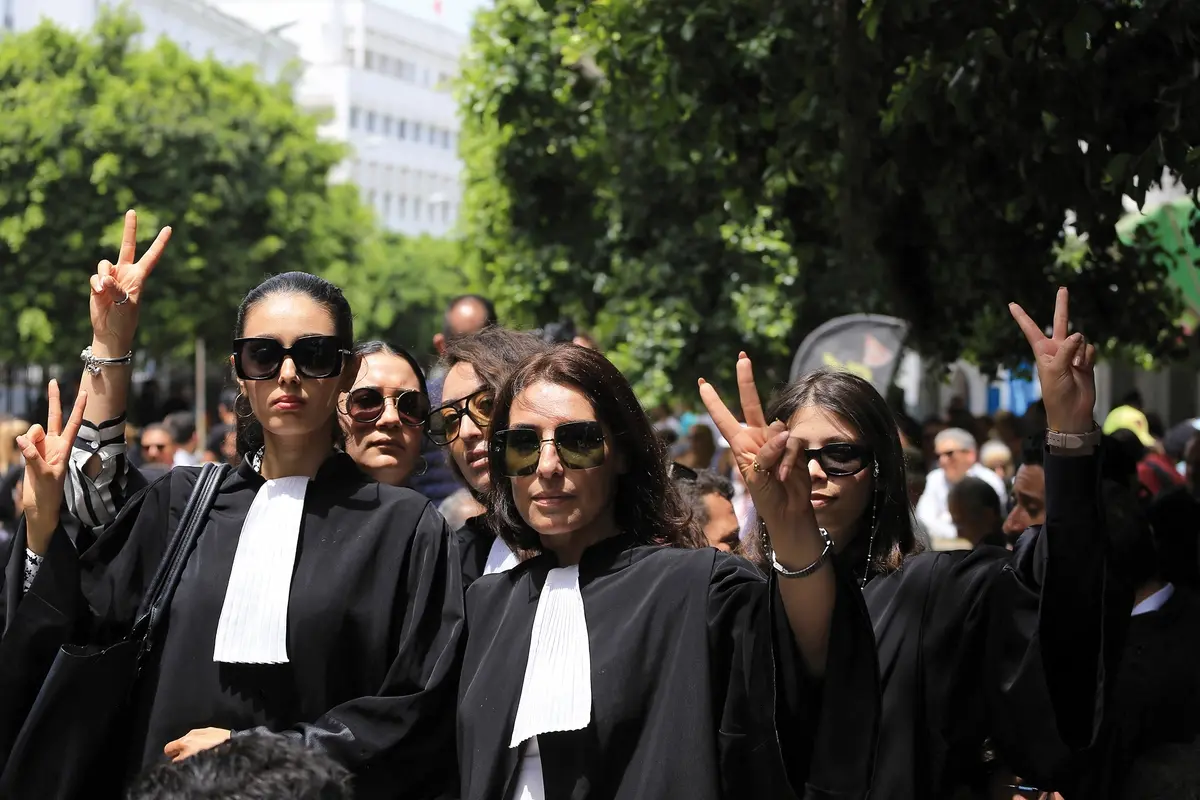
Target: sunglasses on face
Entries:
(367, 404)
(260, 358)
(580, 445)
(840, 459)
(444, 422)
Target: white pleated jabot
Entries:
(253, 624)
(500, 558)
(557, 692)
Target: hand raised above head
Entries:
(117, 290)
(1065, 366)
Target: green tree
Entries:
(93, 126)
(691, 178)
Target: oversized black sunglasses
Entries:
(367, 404)
(261, 358)
(580, 445)
(445, 421)
(840, 459)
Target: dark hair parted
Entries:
(376, 347)
(494, 353)
(856, 401)
(321, 292)
(647, 505)
(695, 490)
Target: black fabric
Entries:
(992, 644)
(698, 688)
(474, 543)
(374, 626)
(53, 756)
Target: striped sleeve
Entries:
(95, 501)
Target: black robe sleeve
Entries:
(400, 741)
(783, 732)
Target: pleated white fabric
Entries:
(500, 558)
(557, 692)
(253, 624)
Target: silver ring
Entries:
(123, 300)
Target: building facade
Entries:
(196, 26)
(383, 78)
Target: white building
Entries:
(198, 27)
(383, 76)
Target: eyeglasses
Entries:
(949, 453)
(840, 459)
(580, 445)
(261, 358)
(444, 422)
(153, 446)
(366, 405)
(681, 472)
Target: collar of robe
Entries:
(604, 557)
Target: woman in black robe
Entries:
(358, 624)
(610, 666)
(974, 645)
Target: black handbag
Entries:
(74, 741)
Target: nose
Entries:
(468, 431)
(1017, 521)
(548, 463)
(390, 418)
(814, 470)
(287, 370)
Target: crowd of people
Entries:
(505, 579)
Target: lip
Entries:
(387, 444)
(819, 500)
(551, 500)
(288, 402)
(478, 461)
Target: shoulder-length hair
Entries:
(856, 401)
(647, 504)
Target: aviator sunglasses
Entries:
(366, 405)
(261, 358)
(580, 445)
(444, 422)
(840, 459)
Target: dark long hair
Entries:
(647, 504)
(856, 401)
(320, 291)
(377, 346)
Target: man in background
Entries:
(158, 446)
(710, 498)
(182, 425)
(975, 511)
(957, 455)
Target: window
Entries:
(355, 112)
(370, 121)
(387, 126)
(371, 198)
(369, 60)
(349, 55)
(433, 132)
(445, 140)
(383, 63)
(417, 131)
(387, 205)
(432, 210)
(401, 129)
(408, 72)
(402, 206)
(425, 80)
(417, 209)
(445, 213)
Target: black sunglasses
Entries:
(840, 459)
(681, 472)
(261, 358)
(580, 445)
(367, 404)
(444, 421)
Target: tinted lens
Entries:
(317, 356)
(481, 406)
(365, 405)
(580, 444)
(842, 459)
(260, 358)
(413, 407)
(521, 448)
(442, 425)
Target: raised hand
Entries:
(1065, 366)
(767, 461)
(117, 291)
(47, 452)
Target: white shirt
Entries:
(933, 509)
(1155, 601)
(530, 785)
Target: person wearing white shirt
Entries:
(957, 455)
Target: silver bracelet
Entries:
(93, 363)
(797, 573)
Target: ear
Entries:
(439, 343)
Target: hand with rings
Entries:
(117, 290)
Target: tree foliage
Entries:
(689, 179)
(93, 126)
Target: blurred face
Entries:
(229, 448)
(569, 508)
(470, 449)
(840, 501)
(955, 460)
(722, 529)
(1000, 465)
(290, 404)
(1029, 500)
(157, 447)
(388, 448)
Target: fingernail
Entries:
(1078, 361)
(700, 381)
(783, 473)
(742, 354)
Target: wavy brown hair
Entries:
(647, 505)
(856, 401)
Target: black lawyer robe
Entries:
(374, 625)
(475, 540)
(698, 688)
(988, 643)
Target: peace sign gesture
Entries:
(767, 461)
(117, 291)
(47, 452)
(1065, 369)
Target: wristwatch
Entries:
(1074, 441)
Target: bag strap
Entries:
(170, 568)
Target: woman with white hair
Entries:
(996, 456)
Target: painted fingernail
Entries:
(742, 354)
(700, 381)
